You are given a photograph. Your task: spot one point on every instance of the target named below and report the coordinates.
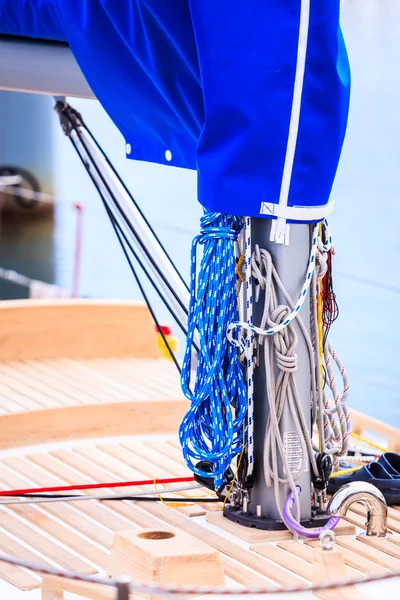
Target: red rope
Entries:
(94, 486)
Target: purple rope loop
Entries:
(292, 524)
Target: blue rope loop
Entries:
(214, 426)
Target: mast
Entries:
(290, 263)
(260, 508)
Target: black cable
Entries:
(188, 500)
(121, 181)
(119, 232)
(128, 223)
(87, 167)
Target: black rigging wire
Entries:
(129, 225)
(156, 498)
(120, 233)
(121, 181)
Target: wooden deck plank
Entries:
(105, 382)
(43, 544)
(172, 452)
(106, 378)
(173, 517)
(127, 472)
(95, 510)
(385, 544)
(141, 452)
(29, 399)
(158, 458)
(14, 548)
(140, 386)
(360, 509)
(85, 421)
(45, 395)
(10, 403)
(366, 551)
(112, 517)
(62, 511)
(148, 468)
(96, 473)
(54, 380)
(18, 577)
(62, 534)
(354, 560)
(394, 539)
(132, 371)
(297, 548)
(241, 574)
(284, 559)
(59, 532)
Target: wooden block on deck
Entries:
(254, 536)
(165, 555)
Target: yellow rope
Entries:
(361, 438)
(168, 504)
(238, 266)
(345, 471)
(320, 332)
(235, 475)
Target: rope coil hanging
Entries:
(214, 427)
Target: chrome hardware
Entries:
(368, 494)
(328, 539)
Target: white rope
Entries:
(28, 194)
(14, 277)
(234, 331)
(41, 500)
(249, 352)
(190, 590)
(37, 288)
(332, 412)
(279, 337)
(337, 415)
(6, 180)
(280, 351)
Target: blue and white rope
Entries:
(235, 330)
(213, 428)
(249, 352)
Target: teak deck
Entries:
(64, 400)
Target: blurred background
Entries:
(42, 242)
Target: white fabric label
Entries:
(293, 451)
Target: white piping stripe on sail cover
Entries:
(280, 229)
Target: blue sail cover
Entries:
(254, 95)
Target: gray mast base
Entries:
(247, 519)
(259, 507)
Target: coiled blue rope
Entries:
(213, 428)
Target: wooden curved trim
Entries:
(75, 328)
(363, 422)
(91, 421)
